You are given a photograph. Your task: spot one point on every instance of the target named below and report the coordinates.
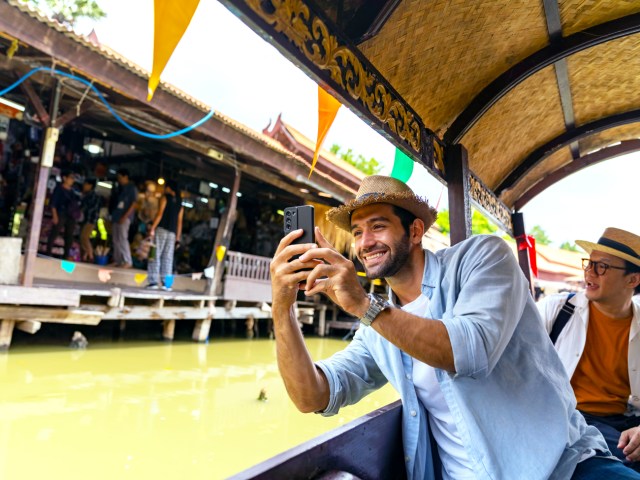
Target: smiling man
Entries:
(460, 339)
(598, 340)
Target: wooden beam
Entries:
(19, 295)
(28, 326)
(72, 114)
(457, 176)
(51, 315)
(224, 239)
(624, 147)
(6, 333)
(135, 312)
(36, 103)
(564, 139)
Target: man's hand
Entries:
(335, 276)
(287, 276)
(629, 443)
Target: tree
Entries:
(479, 223)
(569, 246)
(540, 235)
(68, 11)
(369, 167)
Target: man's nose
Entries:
(367, 239)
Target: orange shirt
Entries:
(601, 379)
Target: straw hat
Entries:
(620, 243)
(381, 189)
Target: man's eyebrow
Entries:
(381, 218)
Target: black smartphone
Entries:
(300, 217)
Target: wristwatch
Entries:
(377, 305)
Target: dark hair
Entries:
(632, 268)
(66, 173)
(406, 217)
(123, 171)
(90, 181)
(173, 185)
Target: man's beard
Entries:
(398, 256)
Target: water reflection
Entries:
(148, 411)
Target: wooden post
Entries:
(322, 321)
(457, 176)
(201, 330)
(6, 333)
(168, 329)
(223, 236)
(46, 156)
(523, 255)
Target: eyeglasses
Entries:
(599, 268)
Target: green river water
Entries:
(153, 411)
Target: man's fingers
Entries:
(287, 239)
(624, 439)
(630, 442)
(323, 242)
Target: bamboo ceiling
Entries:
(530, 87)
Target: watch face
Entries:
(377, 305)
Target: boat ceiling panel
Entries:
(527, 117)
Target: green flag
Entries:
(402, 166)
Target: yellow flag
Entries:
(220, 251)
(327, 110)
(171, 19)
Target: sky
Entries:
(223, 63)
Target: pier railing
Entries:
(247, 278)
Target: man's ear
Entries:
(417, 231)
(634, 279)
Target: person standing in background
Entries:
(121, 219)
(65, 210)
(166, 231)
(90, 211)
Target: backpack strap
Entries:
(563, 317)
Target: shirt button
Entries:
(408, 376)
(413, 413)
(407, 459)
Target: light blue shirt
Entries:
(510, 397)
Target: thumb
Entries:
(321, 241)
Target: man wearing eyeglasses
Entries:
(599, 342)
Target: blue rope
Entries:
(113, 112)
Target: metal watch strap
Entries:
(377, 305)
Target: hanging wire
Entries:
(142, 133)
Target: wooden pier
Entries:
(245, 294)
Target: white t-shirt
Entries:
(455, 461)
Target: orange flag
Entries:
(171, 19)
(327, 110)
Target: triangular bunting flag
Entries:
(209, 271)
(171, 19)
(104, 275)
(327, 110)
(402, 166)
(67, 266)
(140, 277)
(196, 275)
